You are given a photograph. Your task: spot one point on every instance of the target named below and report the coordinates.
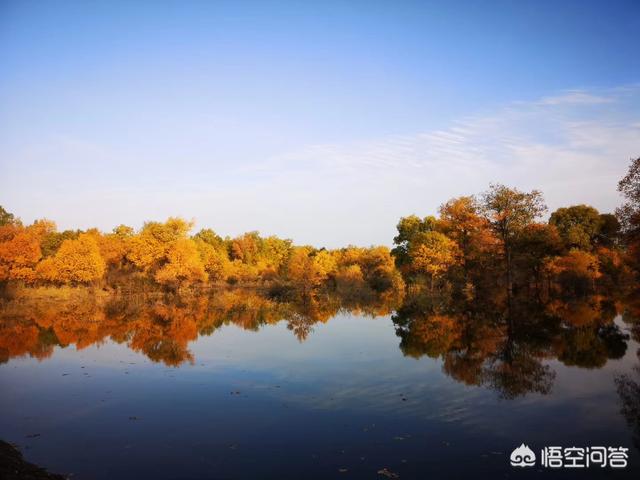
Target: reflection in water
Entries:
(629, 391)
(162, 326)
(507, 350)
(628, 385)
(504, 349)
(346, 388)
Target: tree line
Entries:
(496, 242)
(492, 241)
(164, 253)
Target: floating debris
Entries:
(385, 472)
(34, 435)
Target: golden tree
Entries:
(433, 253)
(77, 261)
(184, 265)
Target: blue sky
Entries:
(319, 121)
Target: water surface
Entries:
(261, 390)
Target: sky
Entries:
(324, 122)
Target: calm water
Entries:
(239, 391)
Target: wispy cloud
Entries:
(573, 97)
(574, 146)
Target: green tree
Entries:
(609, 230)
(6, 218)
(408, 228)
(578, 225)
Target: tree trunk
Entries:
(509, 271)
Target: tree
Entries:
(210, 237)
(77, 261)
(536, 245)
(183, 265)
(214, 258)
(578, 225)
(460, 220)
(19, 255)
(123, 231)
(629, 213)
(51, 242)
(408, 228)
(149, 248)
(609, 230)
(245, 248)
(308, 268)
(433, 253)
(577, 270)
(509, 211)
(6, 218)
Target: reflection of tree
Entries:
(628, 385)
(505, 348)
(591, 346)
(517, 370)
(629, 392)
(162, 326)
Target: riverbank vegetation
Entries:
(495, 244)
(164, 254)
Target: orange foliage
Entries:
(183, 264)
(77, 261)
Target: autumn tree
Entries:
(149, 248)
(77, 261)
(114, 246)
(210, 237)
(245, 248)
(183, 266)
(461, 220)
(213, 257)
(52, 240)
(509, 211)
(308, 268)
(19, 255)
(433, 253)
(577, 270)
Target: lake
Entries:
(239, 386)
